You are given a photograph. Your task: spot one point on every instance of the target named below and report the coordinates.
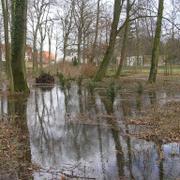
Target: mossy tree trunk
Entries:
(5, 12)
(110, 49)
(156, 44)
(18, 40)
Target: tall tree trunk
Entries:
(0, 49)
(65, 47)
(41, 55)
(125, 39)
(79, 45)
(7, 44)
(84, 48)
(18, 35)
(156, 44)
(50, 45)
(110, 49)
(96, 32)
(35, 54)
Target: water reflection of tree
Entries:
(108, 103)
(127, 112)
(17, 111)
(157, 143)
(153, 97)
(78, 138)
(44, 114)
(93, 102)
(2, 99)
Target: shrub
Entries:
(45, 78)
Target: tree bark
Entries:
(110, 49)
(65, 47)
(18, 40)
(79, 45)
(125, 39)
(35, 53)
(156, 44)
(7, 44)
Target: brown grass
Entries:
(74, 72)
(161, 123)
(88, 70)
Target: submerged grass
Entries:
(161, 123)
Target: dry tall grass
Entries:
(73, 72)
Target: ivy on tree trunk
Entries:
(18, 41)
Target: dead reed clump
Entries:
(88, 70)
(69, 70)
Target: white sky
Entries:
(167, 10)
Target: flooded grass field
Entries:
(73, 133)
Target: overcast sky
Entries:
(167, 11)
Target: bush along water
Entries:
(45, 78)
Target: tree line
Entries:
(95, 29)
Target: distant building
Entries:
(135, 61)
(142, 60)
(46, 57)
(29, 54)
(70, 54)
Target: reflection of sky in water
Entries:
(3, 105)
(62, 140)
(59, 144)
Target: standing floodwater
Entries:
(85, 136)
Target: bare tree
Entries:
(50, 29)
(66, 20)
(5, 10)
(36, 15)
(96, 31)
(83, 16)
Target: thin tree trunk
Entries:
(1, 64)
(41, 56)
(79, 45)
(35, 54)
(7, 44)
(156, 44)
(65, 48)
(50, 58)
(96, 32)
(84, 48)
